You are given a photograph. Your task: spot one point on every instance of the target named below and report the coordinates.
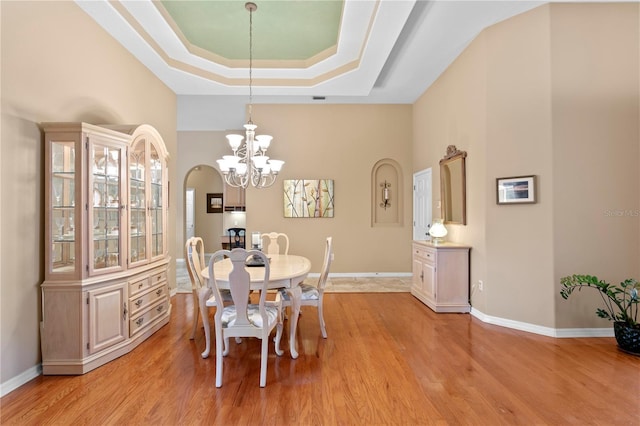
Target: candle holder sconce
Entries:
(386, 195)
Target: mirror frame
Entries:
(453, 155)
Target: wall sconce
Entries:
(438, 231)
(386, 195)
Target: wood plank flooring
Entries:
(388, 360)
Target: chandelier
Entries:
(249, 162)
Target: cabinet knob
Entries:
(159, 292)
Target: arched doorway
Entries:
(200, 181)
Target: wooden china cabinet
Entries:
(105, 288)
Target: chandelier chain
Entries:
(251, 9)
(249, 164)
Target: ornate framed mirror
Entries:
(453, 186)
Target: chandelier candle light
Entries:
(249, 163)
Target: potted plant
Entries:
(621, 306)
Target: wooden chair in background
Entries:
(194, 258)
(312, 295)
(275, 243)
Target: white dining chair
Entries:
(194, 258)
(313, 295)
(243, 318)
(275, 243)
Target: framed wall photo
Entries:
(214, 203)
(516, 190)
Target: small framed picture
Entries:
(214, 203)
(516, 190)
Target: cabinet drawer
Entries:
(424, 253)
(142, 284)
(140, 322)
(138, 285)
(158, 278)
(143, 300)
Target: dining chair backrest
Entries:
(326, 264)
(236, 237)
(194, 258)
(275, 243)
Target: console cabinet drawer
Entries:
(424, 253)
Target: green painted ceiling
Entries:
(282, 29)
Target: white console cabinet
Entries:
(441, 276)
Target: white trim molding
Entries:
(19, 380)
(545, 331)
(364, 274)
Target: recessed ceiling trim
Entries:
(243, 81)
(368, 31)
(145, 18)
(241, 63)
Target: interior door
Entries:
(421, 204)
(190, 211)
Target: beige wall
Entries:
(519, 280)
(343, 143)
(544, 94)
(340, 142)
(595, 149)
(53, 70)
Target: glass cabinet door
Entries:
(63, 201)
(137, 203)
(156, 170)
(105, 201)
(147, 176)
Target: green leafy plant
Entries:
(621, 302)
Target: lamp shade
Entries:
(276, 165)
(438, 231)
(235, 141)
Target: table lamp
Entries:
(438, 231)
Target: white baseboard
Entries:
(19, 380)
(364, 274)
(545, 331)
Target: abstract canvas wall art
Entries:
(308, 198)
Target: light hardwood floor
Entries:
(388, 360)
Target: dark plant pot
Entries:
(628, 338)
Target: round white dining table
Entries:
(286, 271)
